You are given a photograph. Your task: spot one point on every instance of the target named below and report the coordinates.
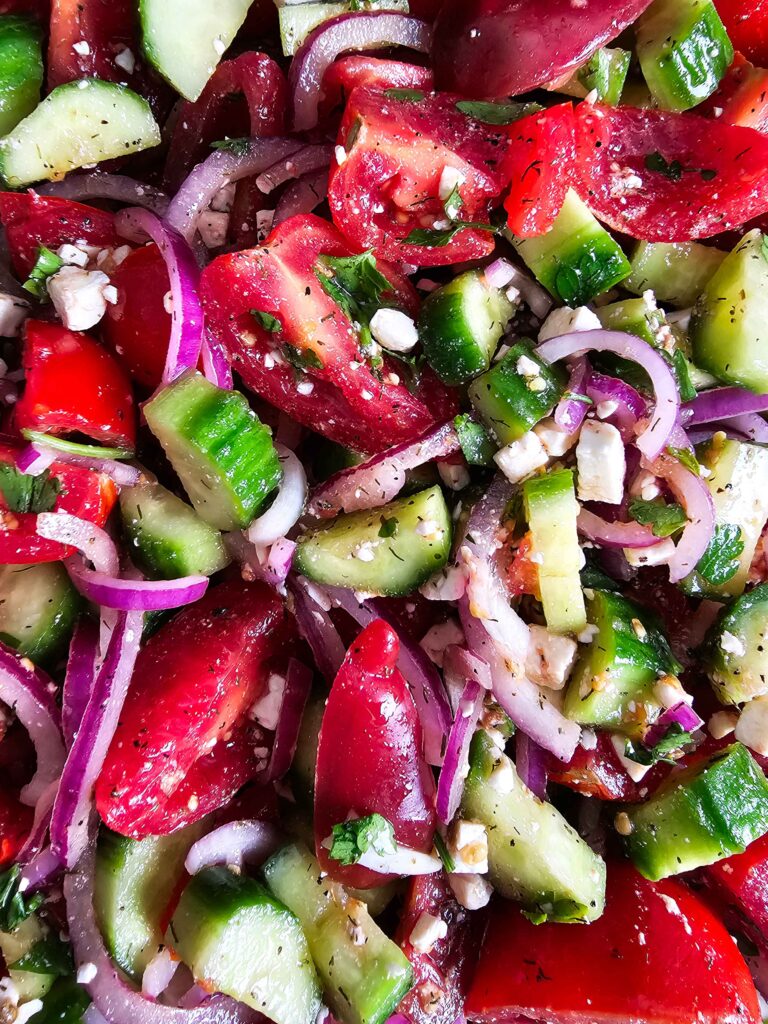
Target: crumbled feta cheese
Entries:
(109, 259)
(656, 554)
(521, 458)
(588, 739)
(752, 727)
(266, 710)
(224, 199)
(364, 552)
(213, 227)
(341, 155)
(669, 692)
(86, 973)
(527, 367)
(305, 387)
(429, 530)
(264, 222)
(13, 313)
(732, 644)
(556, 441)
(605, 409)
(471, 891)
(72, 255)
(436, 639)
(566, 320)
(126, 60)
(635, 771)
(447, 585)
(219, 46)
(450, 178)
(426, 932)
(624, 181)
(645, 485)
(601, 463)
(722, 723)
(468, 846)
(78, 296)
(394, 330)
(81, 48)
(454, 475)
(27, 1010)
(550, 658)
(502, 777)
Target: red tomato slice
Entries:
(522, 574)
(699, 176)
(747, 24)
(741, 882)
(15, 823)
(369, 758)
(653, 957)
(389, 182)
(599, 773)
(38, 8)
(73, 384)
(138, 326)
(442, 976)
(348, 401)
(742, 97)
(346, 74)
(540, 166)
(87, 495)
(31, 220)
(180, 728)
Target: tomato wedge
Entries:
(74, 384)
(657, 955)
(179, 751)
(369, 758)
(742, 96)
(15, 823)
(389, 183)
(747, 24)
(31, 220)
(346, 74)
(741, 883)
(346, 401)
(698, 176)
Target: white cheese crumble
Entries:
(394, 330)
(752, 727)
(471, 891)
(426, 932)
(550, 658)
(521, 458)
(566, 320)
(601, 463)
(80, 296)
(13, 313)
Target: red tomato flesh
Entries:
(747, 24)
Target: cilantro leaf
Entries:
(267, 321)
(354, 283)
(389, 526)
(25, 493)
(675, 739)
(453, 203)
(13, 907)
(497, 113)
(475, 441)
(437, 239)
(406, 95)
(302, 359)
(664, 519)
(352, 838)
(237, 146)
(682, 374)
(687, 458)
(444, 853)
(46, 265)
(720, 561)
(656, 162)
(47, 956)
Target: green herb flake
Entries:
(592, 576)
(389, 526)
(25, 493)
(267, 321)
(475, 441)
(13, 907)
(665, 520)
(47, 956)
(434, 239)
(656, 162)
(240, 147)
(356, 285)
(453, 203)
(497, 113)
(405, 95)
(46, 265)
(444, 853)
(352, 838)
(686, 457)
(674, 740)
(65, 1003)
(720, 562)
(302, 359)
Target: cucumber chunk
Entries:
(238, 939)
(641, 317)
(207, 30)
(38, 610)
(460, 326)
(516, 393)
(736, 652)
(297, 20)
(16, 944)
(534, 856)
(135, 882)
(21, 69)
(77, 124)
(729, 325)
(221, 451)
(612, 683)
(700, 815)
(166, 536)
(683, 50)
(551, 510)
(363, 972)
(390, 550)
(604, 73)
(676, 272)
(577, 258)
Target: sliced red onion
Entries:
(750, 425)
(654, 437)
(287, 507)
(36, 457)
(681, 714)
(536, 298)
(614, 535)
(358, 31)
(159, 973)
(94, 542)
(78, 681)
(499, 273)
(270, 564)
(215, 365)
(450, 785)
(111, 994)
(29, 692)
(239, 844)
(307, 160)
(421, 675)
(298, 685)
(317, 628)
(39, 871)
(302, 196)
(70, 825)
(693, 494)
(531, 765)
(570, 412)
(630, 404)
(381, 478)
(100, 185)
(35, 841)
(723, 403)
(219, 169)
(187, 314)
(134, 595)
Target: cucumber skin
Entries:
(48, 639)
(676, 272)
(21, 69)
(737, 678)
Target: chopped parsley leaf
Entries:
(13, 907)
(267, 321)
(25, 493)
(352, 838)
(664, 520)
(46, 265)
(720, 562)
(675, 739)
(497, 113)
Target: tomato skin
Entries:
(539, 164)
(138, 326)
(747, 24)
(90, 496)
(741, 883)
(369, 757)
(181, 732)
(442, 976)
(396, 152)
(348, 73)
(672, 207)
(522, 574)
(15, 822)
(742, 96)
(651, 957)
(74, 384)
(599, 773)
(31, 220)
(348, 403)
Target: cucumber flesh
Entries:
(368, 551)
(534, 855)
(16, 944)
(221, 451)
(21, 69)
(299, 19)
(38, 609)
(736, 651)
(207, 30)
(166, 536)
(77, 124)
(676, 272)
(364, 973)
(236, 938)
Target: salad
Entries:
(383, 512)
